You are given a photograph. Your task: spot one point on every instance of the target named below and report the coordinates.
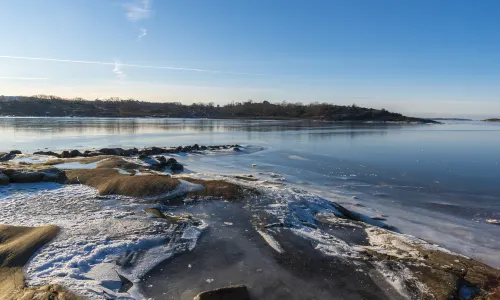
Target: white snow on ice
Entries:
(95, 234)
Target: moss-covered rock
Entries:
(111, 182)
(17, 245)
(221, 189)
(29, 173)
(117, 162)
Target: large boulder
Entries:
(173, 165)
(6, 156)
(111, 151)
(75, 153)
(26, 176)
(235, 292)
(111, 182)
(65, 154)
(187, 149)
(14, 152)
(162, 160)
(129, 152)
(30, 176)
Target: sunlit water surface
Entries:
(438, 182)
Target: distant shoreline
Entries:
(52, 106)
(495, 120)
(423, 121)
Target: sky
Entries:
(425, 57)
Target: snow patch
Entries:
(98, 237)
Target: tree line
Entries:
(54, 106)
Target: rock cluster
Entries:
(10, 173)
(8, 156)
(134, 151)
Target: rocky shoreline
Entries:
(286, 228)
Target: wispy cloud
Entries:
(126, 65)
(22, 78)
(143, 33)
(138, 10)
(120, 74)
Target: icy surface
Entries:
(32, 158)
(99, 237)
(74, 165)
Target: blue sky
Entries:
(416, 57)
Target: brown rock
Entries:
(235, 292)
(495, 295)
(26, 176)
(111, 182)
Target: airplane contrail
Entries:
(23, 78)
(124, 65)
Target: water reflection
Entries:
(134, 126)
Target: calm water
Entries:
(439, 182)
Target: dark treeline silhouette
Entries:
(53, 106)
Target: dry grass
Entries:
(6, 166)
(220, 188)
(17, 245)
(82, 160)
(117, 162)
(111, 182)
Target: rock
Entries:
(203, 148)
(162, 160)
(236, 149)
(157, 150)
(65, 154)
(75, 153)
(111, 151)
(196, 147)
(30, 176)
(4, 180)
(143, 156)
(26, 176)
(6, 156)
(53, 175)
(130, 152)
(173, 165)
(14, 152)
(235, 292)
(111, 182)
(51, 153)
(95, 153)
